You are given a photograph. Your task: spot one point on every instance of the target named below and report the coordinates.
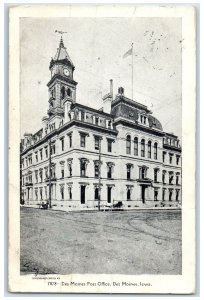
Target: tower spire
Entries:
(61, 43)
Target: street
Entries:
(118, 242)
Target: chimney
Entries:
(111, 88)
(107, 99)
(121, 91)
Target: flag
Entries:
(129, 52)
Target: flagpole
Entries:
(132, 71)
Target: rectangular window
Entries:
(136, 146)
(62, 191)
(36, 157)
(62, 144)
(164, 176)
(170, 194)
(96, 168)
(109, 173)
(149, 152)
(170, 158)
(41, 154)
(36, 176)
(128, 144)
(83, 140)
(171, 177)
(163, 194)
(109, 144)
(46, 172)
(45, 192)
(41, 175)
(62, 172)
(177, 179)
(128, 172)
(83, 169)
(128, 194)
(96, 193)
(53, 148)
(155, 175)
(70, 192)
(109, 194)
(177, 159)
(70, 139)
(177, 195)
(41, 194)
(164, 157)
(142, 148)
(97, 141)
(36, 194)
(143, 172)
(70, 169)
(155, 150)
(53, 172)
(46, 152)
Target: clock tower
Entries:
(62, 87)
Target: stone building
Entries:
(117, 154)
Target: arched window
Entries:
(155, 150)
(143, 148)
(149, 149)
(128, 144)
(135, 146)
(69, 92)
(62, 92)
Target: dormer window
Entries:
(141, 118)
(82, 116)
(144, 120)
(97, 121)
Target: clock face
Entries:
(66, 72)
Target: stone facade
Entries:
(118, 154)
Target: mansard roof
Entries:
(130, 109)
(121, 98)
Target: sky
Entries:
(96, 47)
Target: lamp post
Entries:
(50, 201)
(99, 177)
